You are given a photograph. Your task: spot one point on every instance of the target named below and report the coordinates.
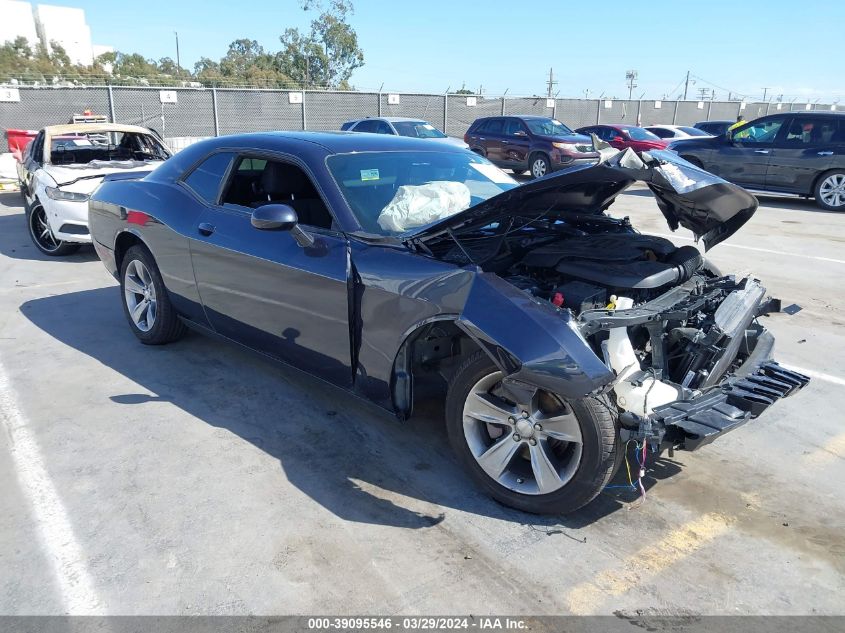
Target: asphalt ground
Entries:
(197, 478)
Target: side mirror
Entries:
(520, 133)
(281, 217)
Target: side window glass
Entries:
(383, 128)
(512, 127)
(366, 126)
(206, 178)
(482, 127)
(495, 126)
(805, 130)
(761, 132)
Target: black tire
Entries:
(36, 223)
(826, 180)
(600, 457)
(166, 326)
(694, 161)
(539, 165)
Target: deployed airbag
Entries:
(418, 205)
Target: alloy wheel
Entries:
(832, 190)
(531, 447)
(140, 295)
(41, 232)
(538, 168)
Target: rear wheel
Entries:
(830, 191)
(145, 301)
(42, 235)
(530, 450)
(540, 165)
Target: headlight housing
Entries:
(569, 147)
(54, 193)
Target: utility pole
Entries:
(178, 64)
(686, 86)
(631, 78)
(551, 83)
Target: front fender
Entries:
(530, 340)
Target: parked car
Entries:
(801, 153)
(537, 144)
(672, 132)
(625, 136)
(715, 128)
(330, 253)
(62, 166)
(400, 126)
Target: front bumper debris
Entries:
(691, 424)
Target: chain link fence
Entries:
(185, 114)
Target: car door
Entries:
(262, 289)
(515, 142)
(491, 138)
(743, 157)
(801, 152)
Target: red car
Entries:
(622, 136)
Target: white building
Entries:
(16, 20)
(46, 23)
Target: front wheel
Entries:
(540, 165)
(145, 301)
(830, 191)
(531, 449)
(42, 235)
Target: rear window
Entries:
(83, 148)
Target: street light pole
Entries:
(178, 65)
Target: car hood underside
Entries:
(710, 207)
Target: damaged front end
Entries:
(693, 363)
(576, 302)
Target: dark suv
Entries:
(801, 153)
(535, 143)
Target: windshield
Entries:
(393, 192)
(83, 148)
(417, 129)
(693, 131)
(639, 134)
(547, 127)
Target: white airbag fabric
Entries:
(418, 205)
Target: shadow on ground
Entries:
(347, 455)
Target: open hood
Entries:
(710, 207)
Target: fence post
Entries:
(675, 113)
(379, 103)
(304, 123)
(767, 107)
(446, 113)
(214, 110)
(709, 108)
(554, 110)
(639, 112)
(111, 105)
(598, 111)
(503, 106)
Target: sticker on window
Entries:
(369, 174)
(493, 173)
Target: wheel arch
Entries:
(821, 175)
(125, 240)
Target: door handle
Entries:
(761, 151)
(205, 228)
(506, 142)
(825, 153)
(482, 138)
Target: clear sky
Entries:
(792, 47)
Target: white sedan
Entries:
(64, 164)
(673, 132)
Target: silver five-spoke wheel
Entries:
(539, 167)
(832, 191)
(140, 295)
(532, 447)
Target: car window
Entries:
(256, 182)
(661, 132)
(369, 125)
(804, 130)
(347, 125)
(758, 132)
(383, 128)
(482, 126)
(206, 178)
(37, 151)
(418, 129)
(512, 126)
(495, 126)
(547, 127)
